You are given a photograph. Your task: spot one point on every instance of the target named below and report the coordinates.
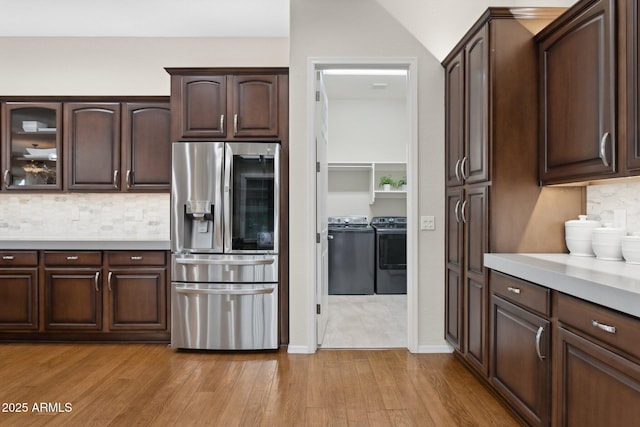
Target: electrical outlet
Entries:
(427, 222)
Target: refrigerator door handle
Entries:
(228, 170)
(235, 291)
(268, 261)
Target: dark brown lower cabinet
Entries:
(19, 299)
(73, 299)
(137, 291)
(520, 366)
(596, 387)
(84, 296)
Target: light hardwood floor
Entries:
(154, 385)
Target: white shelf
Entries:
(396, 170)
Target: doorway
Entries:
(371, 108)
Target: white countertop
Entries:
(77, 245)
(614, 284)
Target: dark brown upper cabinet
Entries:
(92, 146)
(633, 92)
(577, 60)
(227, 104)
(31, 146)
(146, 146)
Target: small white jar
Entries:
(631, 248)
(578, 235)
(607, 243)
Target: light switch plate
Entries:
(427, 222)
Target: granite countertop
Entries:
(76, 245)
(613, 284)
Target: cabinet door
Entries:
(474, 215)
(19, 299)
(577, 128)
(92, 146)
(454, 295)
(202, 106)
(31, 146)
(596, 387)
(73, 299)
(475, 164)
(255, 106)
(137, 298)
(633, 92)
(147, 146)
(454, 118)
(520, 345)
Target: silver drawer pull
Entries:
(8, 257)
(514, 290)
(136, 258)
(538, 337)
(73, 258)
(606, 328)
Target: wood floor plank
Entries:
(153, 385)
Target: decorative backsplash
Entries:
(604, 200)
(76, 216)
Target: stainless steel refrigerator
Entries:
(224, 241)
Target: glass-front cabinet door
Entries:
(31, 146)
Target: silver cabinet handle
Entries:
(128, 178)
(226, 261)
(96, 281)
(226, 291)
(115, 178)
(538, 337)
(7, 175)
(136, 258)
(514, 290)
(222, 123)
(456, 211)
(109, 280)
(462, 212)
(73, 258)
(463, 166)
(603, 151)
(8, 257)
(235, 124)
(606, 328)
(457, 170)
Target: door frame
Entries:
(315, 64)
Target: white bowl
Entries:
(631, 249)
(607, 243)
(577, 235)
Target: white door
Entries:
(322, 243)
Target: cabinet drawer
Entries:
(129, 258)
(525, 294)
(613, 328)
(18, 259)
(86, 258)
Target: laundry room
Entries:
(368, 130)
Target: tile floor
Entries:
(366, 321)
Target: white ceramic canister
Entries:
(607, 242)
(578, 234)
(631, 248)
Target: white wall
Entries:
(373, 130)
(362, 29)
(122, 66)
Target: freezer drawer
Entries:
(224, 316)
(224, 268)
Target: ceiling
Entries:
(144, 18)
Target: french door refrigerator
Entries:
(224, 242)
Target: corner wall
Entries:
(362, 29)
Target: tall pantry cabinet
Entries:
(494, 200)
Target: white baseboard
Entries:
(445, 348)
(299, 349)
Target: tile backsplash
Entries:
(84, 216)
(604, 200)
